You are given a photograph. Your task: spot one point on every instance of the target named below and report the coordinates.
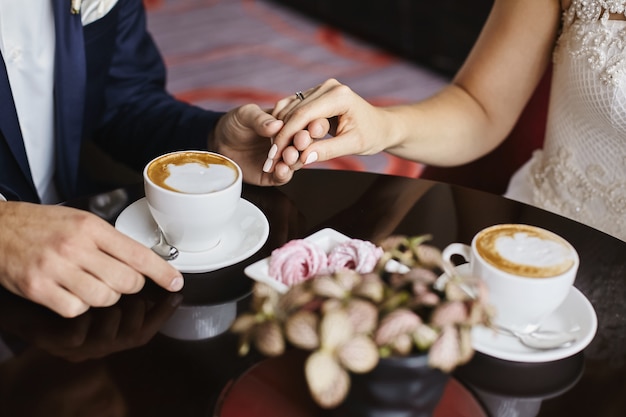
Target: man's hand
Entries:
(68, 259)
(245, 135)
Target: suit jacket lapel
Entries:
(69, 94)
(9, 124)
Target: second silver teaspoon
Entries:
(164, 249)
(542, 339)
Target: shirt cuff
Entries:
(2, 198)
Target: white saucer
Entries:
(576, 313)
(245, 235)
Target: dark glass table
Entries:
(126, 360)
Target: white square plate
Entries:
(325, 239)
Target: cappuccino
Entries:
(193, 196)
(192, 172)
(524, 250)
(509, 258)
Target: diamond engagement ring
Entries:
(300, 96)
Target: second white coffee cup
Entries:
(529, 271)
(192, 196)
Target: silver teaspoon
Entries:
(542, 339)
(164, 249)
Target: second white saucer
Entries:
(575, 314)
(246, 234)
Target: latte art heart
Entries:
(194, 178)
(525, 251)
(192, 173)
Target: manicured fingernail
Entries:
(267, 165)
(177, 284)
(311, 158)
(272, 153)
(269, 123)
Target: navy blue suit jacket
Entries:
(109, 88)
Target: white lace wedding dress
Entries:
(581, 171)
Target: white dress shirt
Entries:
(27, 44)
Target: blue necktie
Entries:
(69, 95)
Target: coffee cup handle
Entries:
(457, 249)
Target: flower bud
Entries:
(243, 323)
(452, 312)
(429, 256)
(268, 339)
(363, 316)
(402, 345)
(296, 297)
(370, 287)
(445, 352)
(347, 279)
(335, 329)
(359, 354)
(301, 330)
(325, 286)
(328, 382)
(424, 337)
(401, 321)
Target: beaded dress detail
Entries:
(581, 171)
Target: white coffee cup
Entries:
(529, 271)
(192, 196)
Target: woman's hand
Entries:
(330, 108)
(245, 135)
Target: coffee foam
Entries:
(526, 251)
(192, 173)
(196, 178)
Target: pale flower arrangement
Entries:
(350, 320)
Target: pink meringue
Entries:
(297, 261)
(358, 255)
